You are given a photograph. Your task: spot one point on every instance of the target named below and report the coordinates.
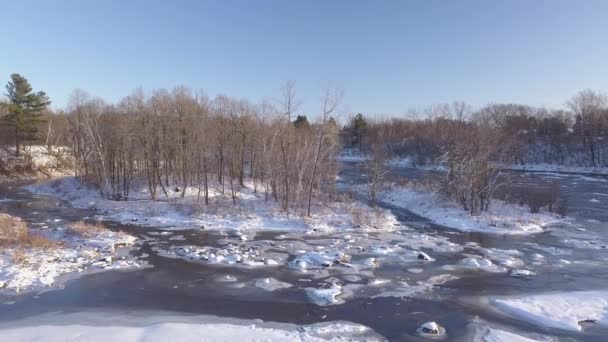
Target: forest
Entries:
(168, 140)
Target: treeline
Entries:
(574, 136)
(170, 140)
(474, 145)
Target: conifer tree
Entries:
(24, 108)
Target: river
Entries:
(182, 286)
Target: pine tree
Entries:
(301, 122)
(24, 108)
(359, 127)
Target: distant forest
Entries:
(171, 139)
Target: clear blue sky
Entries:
(388, 56)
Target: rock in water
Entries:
(424, 256)
(431, 329)
(521, 273)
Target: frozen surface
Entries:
(272, 284)
(252, 211)
(502, 218)
(557, 168)
(563, 310)
(489, 334)
(325, 296)
(122, 327)
(26, 268)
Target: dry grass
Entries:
(364, 216)
(84, 229)
(14, 232)
(19, 256)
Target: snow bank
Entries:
(35, 160)
(502, 217)
(325, 296)
(559, 310)
(488, 334)
(481, 264)
(120, 327)
(403, 289)
(557, 168)
(251, 212)
(28, 268)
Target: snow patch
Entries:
(121, 327)
(502, 217)
(563, 310)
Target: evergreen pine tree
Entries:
(301, 122)
(359, 127)
(24, 108)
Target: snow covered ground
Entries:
(557, 168)
(481, 331)
(24, 268)
(251, 211)
(35, 161)
(562, 310)
(149, 327)
(407, 161)
(502, 217)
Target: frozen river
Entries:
(392, 297)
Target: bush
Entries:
(14, 232)
(84, 229)
(548, 196)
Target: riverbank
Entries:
(165, 326)
(253, 210)
(501, 217)
(37, 258)
(34, 162)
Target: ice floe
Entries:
(144, 326)
(325, 296)
(272, 284)
(562, 310)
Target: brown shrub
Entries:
(363, 217)
(84, 229)
(545, 196)
(14, 232)
(40, 241)
(12, 229)
(19, 256)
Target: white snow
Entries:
(40, 268)
(431, 330)
(521, 273)
(272, 284)
(481, 264)
(563, 310)
(557, 168)
(252, 211)
(504, 257)
(325, 296)
(231, 254)
(121, 327)
(35, 161)
(502, 217)
(311, 260)
(403, 289)
(487, 334)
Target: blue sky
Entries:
(387, 56)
